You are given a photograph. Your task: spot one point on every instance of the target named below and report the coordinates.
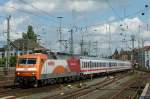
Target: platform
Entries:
(146, 92)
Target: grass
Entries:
(141, 68)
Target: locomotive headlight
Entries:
(18, 73)
(33, 73)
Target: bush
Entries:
(12, 61)
(2, 62)
(141, 68)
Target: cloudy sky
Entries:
(108, 22)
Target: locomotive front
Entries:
(27, 68)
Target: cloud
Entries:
(85, 5)
(16, 25)
(119, 31)
(50, 6)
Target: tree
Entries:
(30, 34)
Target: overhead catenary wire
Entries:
(40, 10)
(114, 11)
(120, 18)
(34, 14)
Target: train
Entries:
(41, 69)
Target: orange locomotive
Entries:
(37, 69)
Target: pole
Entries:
(89, 51)
(81, 45)
(132, 56)
(8, 46)
(71, 43)
(96, 48)
(60, 34)
(109, 46)
(143, 54)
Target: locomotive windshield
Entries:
(27, 61)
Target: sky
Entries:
(108, 22)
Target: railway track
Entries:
(19, 92)
(85, 90)
(6, 80)
(132, 89)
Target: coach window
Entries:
(100, 64)
(96, 64)
(115, 64)
(84, 65)
(88, 64)
(103, 64)
(93, 64)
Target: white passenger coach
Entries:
(90, 66)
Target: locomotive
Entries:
(40, 69)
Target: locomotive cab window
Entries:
(22, 61)
(31, 61)
(27, 61)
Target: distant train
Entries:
(39, 69)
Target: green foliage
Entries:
(12, 61)
(2, 62)
(30, 34)
(141, 68)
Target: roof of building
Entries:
(26, 44)
(146, 48)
